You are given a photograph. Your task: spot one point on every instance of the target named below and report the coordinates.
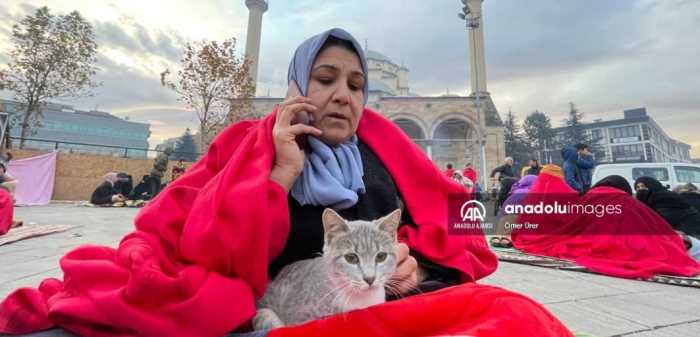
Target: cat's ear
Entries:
(390, 223)
(333, 224)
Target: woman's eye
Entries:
(352, 258)
(325, 80)
(381, 257)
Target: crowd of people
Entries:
(118, 190)
(677, 209)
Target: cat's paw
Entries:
(266, 319)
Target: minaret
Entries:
(476, 48)
(256, 9)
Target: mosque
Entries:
(446, 127)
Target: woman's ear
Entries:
(333, 225)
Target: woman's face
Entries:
(335, 88)
(640, 186)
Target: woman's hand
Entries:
(407, 274)
(289, 159)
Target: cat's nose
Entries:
(369, 280)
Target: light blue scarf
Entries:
(332, 176)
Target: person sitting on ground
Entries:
(160, 166)
(669, 205)
(7, 199)
(449, 172)
(532, 168)
(578, 167)
(690, 193)
(178, 170)
(615, 181)
(7, 182)
(469, 172)
(606, 230)
(205, 249)
(517, 194)
(113, 190)
(464, 181)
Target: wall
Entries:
(77, 175)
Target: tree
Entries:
(538, 130)
(53, 56)
(212, 78)
(516, 145)
(185, 148)
(575, 132)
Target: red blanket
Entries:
(465, 310)
(6, 211)
(632, 243)
(198, 256)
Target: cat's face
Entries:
(361, 254)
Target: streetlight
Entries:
(471, 23)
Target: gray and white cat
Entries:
(358, 259)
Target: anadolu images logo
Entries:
(472, 210)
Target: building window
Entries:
(645, 132)
(687, 174)
(658, 173)
(632, 152)
(625, 132)
(597, 136)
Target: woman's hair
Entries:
(615, 181)
(333, 41)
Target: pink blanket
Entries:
(35, 177)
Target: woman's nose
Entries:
(341, 95)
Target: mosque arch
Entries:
(454, 140)
(414, 127)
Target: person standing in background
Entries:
(160, 166)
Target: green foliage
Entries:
(52, 56)
(515, 141)
(186, 148)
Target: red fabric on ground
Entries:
(199, 254)
(7, 209)
(465, 310)
(637, 243)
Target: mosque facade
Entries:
(445, 127)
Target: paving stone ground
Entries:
(599, 305)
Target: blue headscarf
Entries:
(332, 175)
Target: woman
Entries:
(7, 199)
(203, 250)
(615, 181)
(532, 168)
(114, 189)
(177, 170)
(690, 194)
(669, 205)
(608, 231)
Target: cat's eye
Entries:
(352, 258)
(381, 257)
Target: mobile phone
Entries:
(303, 117)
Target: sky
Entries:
(603, 55)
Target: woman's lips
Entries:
(337, 116)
